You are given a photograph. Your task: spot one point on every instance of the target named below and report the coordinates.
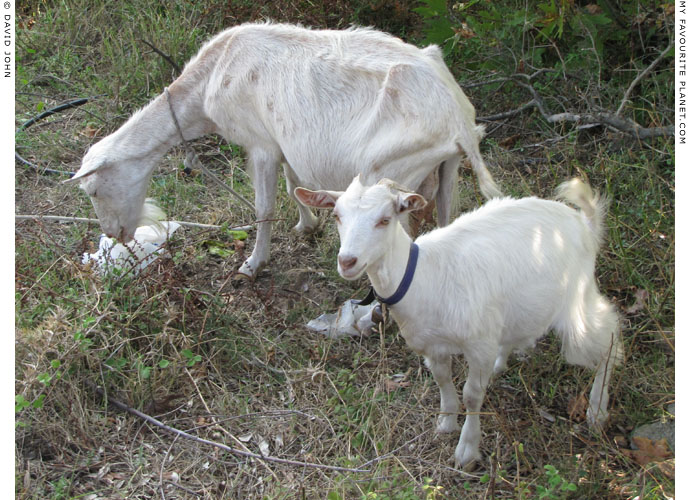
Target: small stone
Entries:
(656, 431)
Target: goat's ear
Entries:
(407, 202)
(84, 171)
(317, 199)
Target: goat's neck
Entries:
(388, 272)
(149, 133)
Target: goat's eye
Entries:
(383, 222)
(337, 218)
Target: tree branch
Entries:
(609, 119)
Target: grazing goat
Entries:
(325, 104)
(495, 280)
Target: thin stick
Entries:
(164, 56)
(221, 446)
(640, 77)
(165, 459)
(58, 218)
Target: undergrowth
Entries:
(232, 362)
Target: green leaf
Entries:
(44, 378)
(55, 364)
(145, 372)
(439, 31)
(237, 235)
(39, 402)
(196, 359)
(484, 479)
(218, 248)
(163, 363)
(425, 12)
(40, 106)
(20, 403)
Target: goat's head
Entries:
(367, 219)
(117, 189)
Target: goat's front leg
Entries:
(264, 167)
(478, 377)
(441, 369)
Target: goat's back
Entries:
(508, 268)
(335, 103)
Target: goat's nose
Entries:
(347, 262)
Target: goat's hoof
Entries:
(597, 420)
(446, 425)
(466, 460)
(306, 229)
(248, 272)
(241, 276)
(468, 467)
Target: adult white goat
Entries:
(495, 280)
(326, 104)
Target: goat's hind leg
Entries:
(308, 222)
(502, 359)
(606, 335)
(596, 346)
(264, 169)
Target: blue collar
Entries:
(402, 287)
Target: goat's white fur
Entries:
(326, 104)
(493, 281)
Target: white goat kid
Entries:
(495, 280)
(322, 103)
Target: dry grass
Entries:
(232, 361)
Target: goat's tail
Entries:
(593, 205)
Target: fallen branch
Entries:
(234, 451)
(619, 123)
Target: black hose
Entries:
(41, 116)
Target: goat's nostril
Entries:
(347, 262)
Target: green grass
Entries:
(228, 360)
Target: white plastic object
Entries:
(137, 254)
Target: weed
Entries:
(556, 487)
